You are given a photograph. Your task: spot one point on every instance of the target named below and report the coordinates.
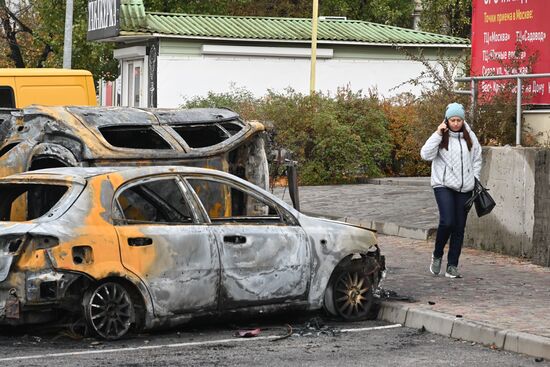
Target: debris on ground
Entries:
(289, 333)
(389, 295)
(248, 333)
(316, 327)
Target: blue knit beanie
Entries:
(455, 109)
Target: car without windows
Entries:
(138, 248)
(40, 137)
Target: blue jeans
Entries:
(452, 220)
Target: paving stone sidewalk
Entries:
(501, 300)
(497, 290)
(404, 207)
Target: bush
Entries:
(334, 139)
(407, 137)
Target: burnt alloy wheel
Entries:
(352, 294)
(109, 310)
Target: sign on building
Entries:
(103, 19)
(507, 37)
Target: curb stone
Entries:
(393, 229)
(400, 181)
(458, 328)
(387, 228)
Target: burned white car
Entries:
(129, 248)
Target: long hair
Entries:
(445, 141)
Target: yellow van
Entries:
(52, 87)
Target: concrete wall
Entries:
(519, 181)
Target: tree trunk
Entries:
(43, 56)
(10, 34)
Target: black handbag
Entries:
(483, 202)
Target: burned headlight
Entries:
(12, 244)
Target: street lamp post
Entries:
(314, 22)
(68, 38)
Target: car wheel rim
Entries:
(351, 295)
(110, 311)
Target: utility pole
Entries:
(314, 23)
(68, 39)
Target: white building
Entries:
(166, 58)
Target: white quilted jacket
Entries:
(456, 167)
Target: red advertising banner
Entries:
(505, 35)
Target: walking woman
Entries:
(456, 159)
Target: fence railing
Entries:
(474, 80)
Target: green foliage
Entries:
(335, 139)
(237, 99)
(392, 12)
(451, 17)
(93, 56)
(40, 34)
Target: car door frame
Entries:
(198, 220)
(288, 219)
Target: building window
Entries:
(134, 87)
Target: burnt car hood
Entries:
(326, 220)
(6, 258)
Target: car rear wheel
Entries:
(351, 293)
(109, 310)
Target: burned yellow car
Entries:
(40, 137)
(132, 248)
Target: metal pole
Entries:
(68, 39)
(314, 22)
(474, 102)
(518, 112)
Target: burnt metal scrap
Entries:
(39, 137)
(138, 248)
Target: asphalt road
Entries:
(314, 342)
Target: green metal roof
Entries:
(134, 18)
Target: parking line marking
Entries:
(392, 326)
(176, 345)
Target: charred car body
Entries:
(40, 137)
(146, 247)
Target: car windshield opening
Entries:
(232, 127)
(200, 136)
(21, 202)
(133, 137)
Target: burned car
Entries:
(40, 137)
(128, 248)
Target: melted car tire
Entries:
(351, 293)
(109, 310)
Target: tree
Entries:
(451, 17)
(20, 43)
(392, 12)
(32, 36)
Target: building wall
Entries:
(184, 72)
(537, 123)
